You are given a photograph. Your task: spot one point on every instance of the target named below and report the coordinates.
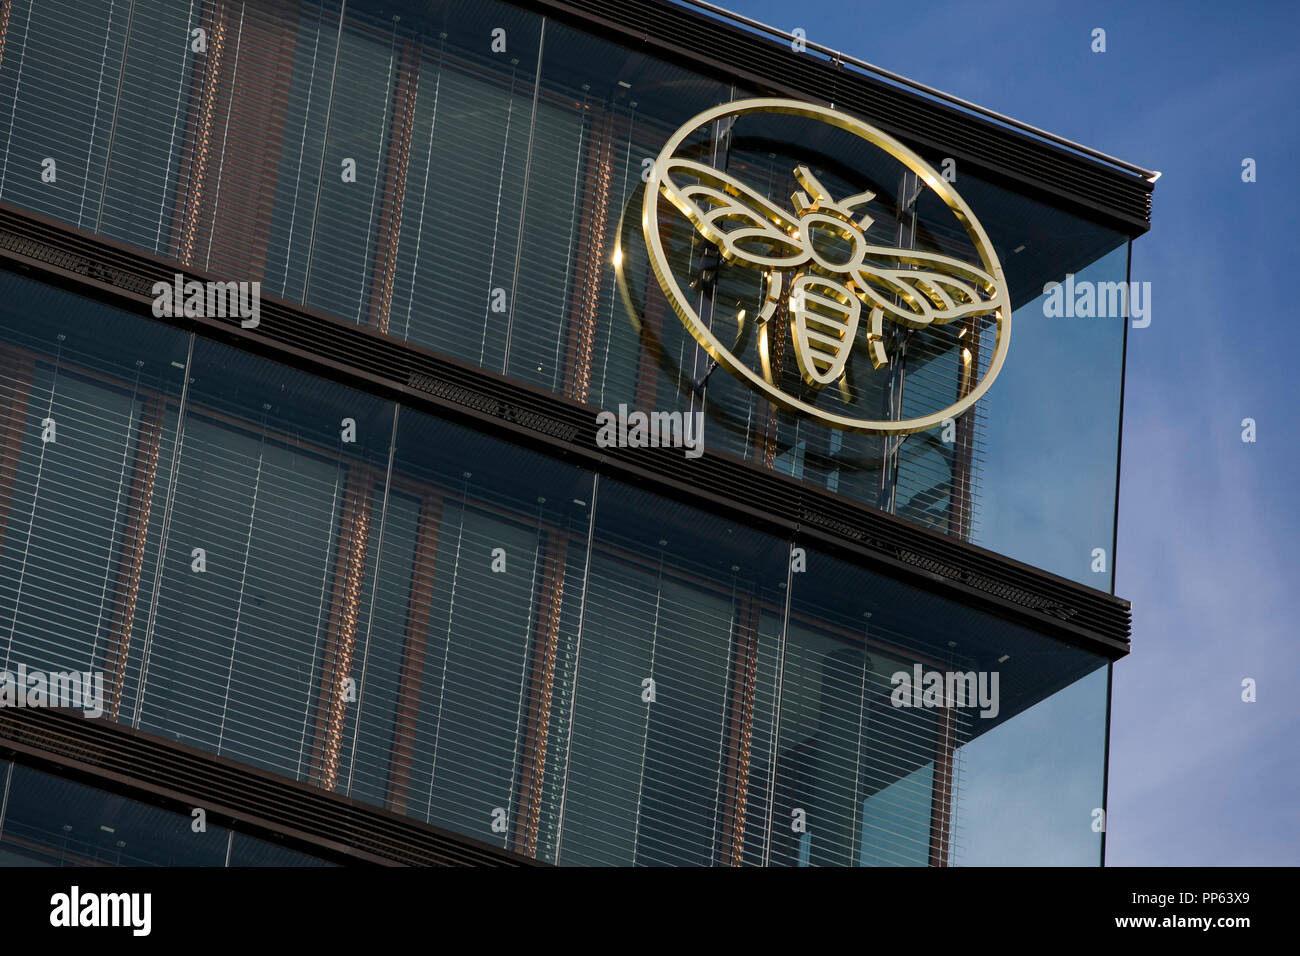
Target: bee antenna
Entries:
(809, 182)
(861, 199)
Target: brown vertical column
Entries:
(401, 128)
(590, 259)
(653, 318)
(16, 370)
(537, 726)
(144, 473)
(340, 643)
(6, 8)
(941, 791)
(414, 648)
(739, 734)
(961, 494)
(236, 129)
(200, 157)
(778, 331)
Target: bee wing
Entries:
(747, 228)
(918, 289)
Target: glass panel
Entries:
(898, 725)
(365, 89)
(481, 587)
(659, 772)
(143, 179)
(60, 107)
(1053, 437)
(264, 599)
(466, 159)
(50, 821)
(283, 149)
(896, 821)
(91, 398)
(375, 723)
(1034, 784)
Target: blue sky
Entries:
(1209, 543)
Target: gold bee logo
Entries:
(818, 264)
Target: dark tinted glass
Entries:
(264, 598)
(483, 563)
(50, 821)
(878, 767)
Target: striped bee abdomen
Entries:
(824, 317)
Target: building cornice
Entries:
(1105, 192)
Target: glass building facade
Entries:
(347, 589)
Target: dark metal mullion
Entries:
(523, 202)
(324, 151)
(908, 191)
(117, 106)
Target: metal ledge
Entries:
(261, 804)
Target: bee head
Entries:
(823, 203)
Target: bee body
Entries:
(834, 269)
(824, 316)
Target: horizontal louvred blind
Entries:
(480, 587)
(88, 432)
(457, 180)
(59, 107)
(263, 605)
(672, 729)
(458, 628)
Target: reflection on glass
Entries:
(1053, 438)
(1034, 784)
(873, 775)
